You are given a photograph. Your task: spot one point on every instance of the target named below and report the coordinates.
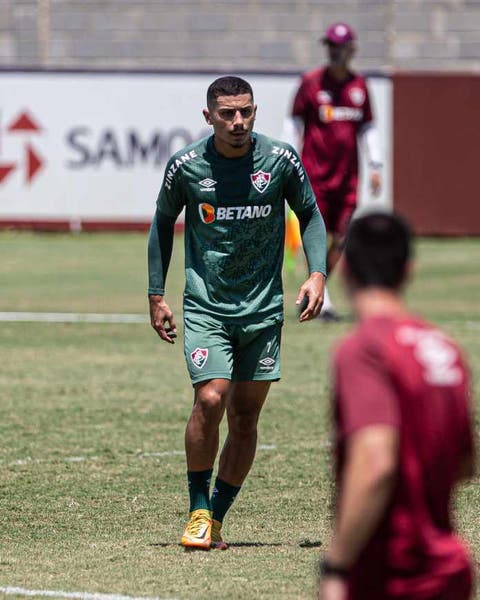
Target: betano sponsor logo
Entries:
(209, 213)
(328, 113)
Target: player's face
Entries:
(232, 118)
(339, 55)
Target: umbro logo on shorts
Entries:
(267, 363)
(199, 357)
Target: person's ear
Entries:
(206, 114)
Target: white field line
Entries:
(77, 459)
(64, 317)
(60, 317)
(17, 591)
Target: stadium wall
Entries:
(83, 150)
(436, 139)
(236, 35)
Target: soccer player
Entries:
(331, 110)
(232, 186)
(403, 436)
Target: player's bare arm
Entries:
(332, 588)
(375, 182)
(160, 316)
(314, 289)
(366, 487)
(369, 139)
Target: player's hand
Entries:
(375, 182)
(314, 289)
(332, 588)
(160, 315)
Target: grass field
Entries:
(92, 476)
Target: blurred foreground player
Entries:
(232, 185)
(404, 436)
(331, 111)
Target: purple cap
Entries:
(339, 33)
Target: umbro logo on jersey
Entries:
(207, 185)
(199, 357)
(260, 180)
(209, 213)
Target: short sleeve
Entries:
(363, 391)
(300, 100)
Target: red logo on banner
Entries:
(32, 162)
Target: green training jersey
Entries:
(235, 226)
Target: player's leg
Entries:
(334, 251)
(201, 447)
(256, 365)
(329, 205)
(341, 212)
(209, 359)
(243, 410)
(201, 433)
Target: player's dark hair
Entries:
(227, 86)
(377, 250)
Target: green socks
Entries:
(199, 489)
(222, 498)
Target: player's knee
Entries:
(210, 400)
(243, 424)
(337, 242)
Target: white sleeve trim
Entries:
(370, 141)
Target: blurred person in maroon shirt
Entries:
(403, 435)
(331, 113)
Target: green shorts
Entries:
(216, 350)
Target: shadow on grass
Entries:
(302, 544)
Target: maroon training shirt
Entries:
(332, 112)
(410, 375)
